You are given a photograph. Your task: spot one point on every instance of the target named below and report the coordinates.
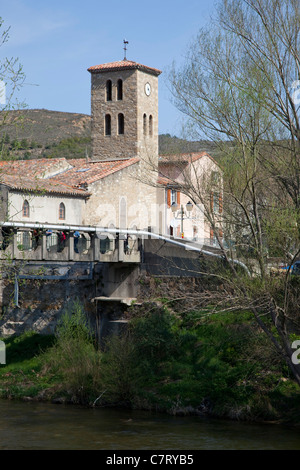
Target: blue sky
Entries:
(57, 41)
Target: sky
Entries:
(57, 41)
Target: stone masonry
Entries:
(140, 111)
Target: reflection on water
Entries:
(45, 426)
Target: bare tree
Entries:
(238, 87)
(11, 80)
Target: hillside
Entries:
(43, 126)
(36, 133)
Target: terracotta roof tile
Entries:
(84, 173)
(163, 180)
(123, 65)
(66, 176)
(41, 167)
(40, 186)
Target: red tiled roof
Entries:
(73, 176)
(163, 180)
(65, 176)
(38, 168)
(84, 173)
(122, 65)
(40, 185)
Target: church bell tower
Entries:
(124, 108)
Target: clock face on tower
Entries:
(148, 89)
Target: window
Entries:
(25, 210)
(216, 202)
(173, 197)
(119, 90)
(62, 211)
(151, 125)
(120, 124)
(107, 124)
(108, 90)
(145, 124)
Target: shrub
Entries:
(74, 356)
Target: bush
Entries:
(118, 370)
(74, 356)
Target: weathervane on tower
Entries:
(125, 48)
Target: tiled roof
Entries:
(38, 168)
(163, 180)
(122, 65)
(73, 176)
(66, 176)
(84, 173)
(40, 185)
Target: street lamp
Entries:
(189, 207)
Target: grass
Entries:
(21, 376)
(218, 364)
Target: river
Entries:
(40, 426)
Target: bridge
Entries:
(44, 242)
(103, 266)
(61, 243)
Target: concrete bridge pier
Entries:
(120, 284)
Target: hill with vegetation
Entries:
(40, 133)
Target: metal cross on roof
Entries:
(125, 48)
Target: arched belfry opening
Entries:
(124, 101)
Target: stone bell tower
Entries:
(124, 108)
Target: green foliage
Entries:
(118, 370)
(26, 347)
(21, 376)
(73, 324)
(155, 337)
(172, 363)
(71, 147)
(220, 363)
(73, 357)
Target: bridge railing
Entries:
(66, 246)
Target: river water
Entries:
(40, 426)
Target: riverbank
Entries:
(210, 365)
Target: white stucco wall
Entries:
(45, 208)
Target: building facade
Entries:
(124, 183)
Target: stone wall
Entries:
(125, 188)
(135, 103)
(41, 304)
(166, 271)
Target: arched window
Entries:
(107, 124)
(62, 211)
(108, 90)
(151, 125)
(120, 123)
(26, 209)
(119, 90)
(145, 124)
